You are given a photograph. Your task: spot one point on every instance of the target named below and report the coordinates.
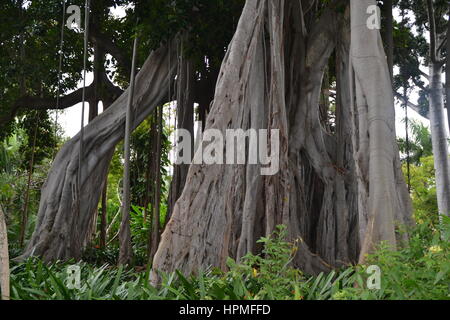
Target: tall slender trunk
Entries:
(378, 160)
(93, 113)
(4, 257)
(98, 68)
(24, 223)
(447, 71)
(150, 171)
(104, 215)
(157, 200)
(151, 180)
(185, 121)
(388, 35)
(439, 134)
(126, 250)
(439, 137)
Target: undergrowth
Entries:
(419, 271)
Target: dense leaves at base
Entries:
(421, 271)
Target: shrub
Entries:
(420, 271)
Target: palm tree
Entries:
(419, 144)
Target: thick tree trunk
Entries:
(332, 190)
(59, 235)
(274, 81)
(226, 209)
(377, 157)
(4, 258)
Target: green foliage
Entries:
(38, 123)
(34, 280)
(162, 19)
(423, 191)
(10, 158)
(419, 144)
(29, 38)
(14, 151)
(142, 160)
(140, 224)
(422, 174)
(28, 58)
(421, 271)
(257, 277)
(98, 257)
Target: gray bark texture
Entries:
(185, 120)
(155, 232)
(126, 248)
(4, 258)
(377, 159)
(439, 134)
(271, 78)
(439, 138)
(447, 70)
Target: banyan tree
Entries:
(314, 70)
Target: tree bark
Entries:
(125, 246)
(185, 120)
(439, 139)
(104, 215)
(4, 258)
(151, 181)
(339, 194)
(273, 80)
(388, 35)
(155, 233)
(447, 70)
(377, 158)
(24, 222)
(150, 171)
(225, 209)
(439, 134)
